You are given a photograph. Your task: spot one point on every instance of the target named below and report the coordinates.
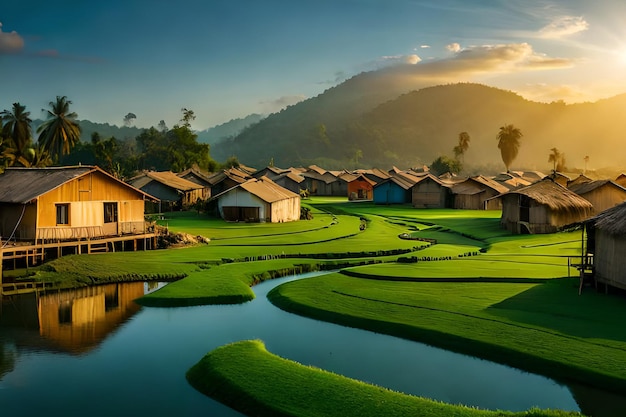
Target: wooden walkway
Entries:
(13, 256)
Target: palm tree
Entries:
(586, 159)
(460, 149)
(508, 143)
(60, 132)
(555, 157)
(17, 127)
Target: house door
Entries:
(110, 219)
(524, 208)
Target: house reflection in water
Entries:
(76, 321)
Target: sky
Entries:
(226, 59)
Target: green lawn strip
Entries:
(248, 378)
(471, 267)
(223, 284)
(73, 271)
(555, 340)
(216, 229)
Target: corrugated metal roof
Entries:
(586, 187)
(267, 190)
(21, 185)
(167, 178)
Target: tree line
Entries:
(58, 143)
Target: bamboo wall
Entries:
(428, 193)
(604, 198)
(609, 261)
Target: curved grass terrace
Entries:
(237, 375)
(478, 290)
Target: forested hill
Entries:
(226, 130)
(343, 128)
(306, 132)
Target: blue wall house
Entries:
(394, 190)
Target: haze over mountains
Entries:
(389, 117)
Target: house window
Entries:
(63, 214)
(110, 212)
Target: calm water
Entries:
(97, 353)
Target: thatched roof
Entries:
(553, 195)
(22, 185)
(613, 220)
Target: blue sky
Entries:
(228, 58)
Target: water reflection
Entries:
(71, 321)
(97, 338)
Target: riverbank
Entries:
(470, 245)
(237, 375)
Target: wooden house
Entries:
(359, 187)
(270, 172)
(511, 181)
(621, 179)
(226, 179)
(397, 189)
(318, 181)
(61, 203)
(606, 245)
(290, 180)
(375, 174)
(476, 193)
(602, 194)
(542, 207)
(198, 176)
(258, 200)
(173, 191)
(430, 192)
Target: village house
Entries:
(318, 181)
(200, 177)
(542, 207)
(290, 180)
(173, 192)
(602, 194)
(476, 193)
(621, 179)
(606, 245)
(430, 192)
(77, 208)
(258, 200)
(226, 179)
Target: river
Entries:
(95, 352)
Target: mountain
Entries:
(369, 121)
(226, 130)
(305, 132)
(105, 130)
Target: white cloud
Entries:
(453, 47)
(507, 57)
(564, 26)
(391, 60)
(424, 46)
(10, 42)
(474, 62)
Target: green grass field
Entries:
(478, 289)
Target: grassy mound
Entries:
(540, 327)
(246, 377)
